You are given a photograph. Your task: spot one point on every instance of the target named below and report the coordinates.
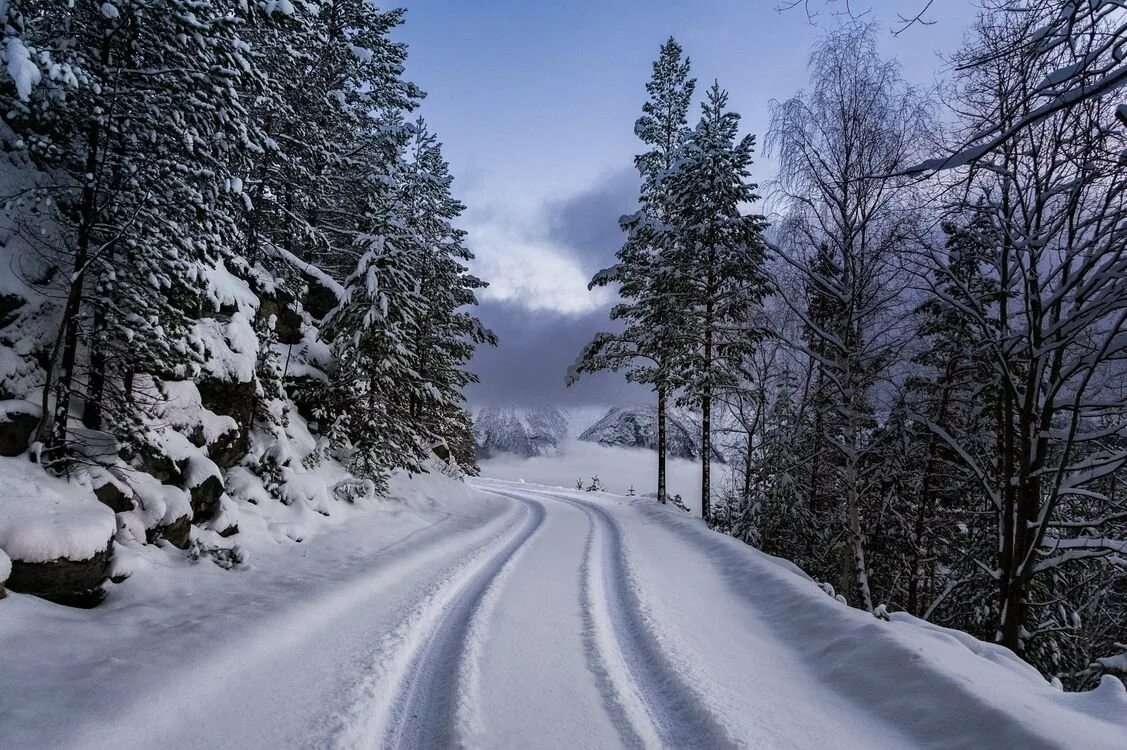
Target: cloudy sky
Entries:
(536, 104)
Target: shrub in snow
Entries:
(227, 558)
(350, 490)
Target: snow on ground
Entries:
(507, 614)
(618, 468)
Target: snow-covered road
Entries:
(527, 617)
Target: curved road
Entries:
(530, 618)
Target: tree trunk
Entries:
(927, 502)
(706, 423)
(96, 387)
(853, 512)
(87, 217)
(705, 450)
(56, 440)
(661, 444)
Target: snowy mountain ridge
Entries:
(523, 431)
(636, 427)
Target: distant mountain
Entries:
(636, 427)
(522, 431)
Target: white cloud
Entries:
(529, 270)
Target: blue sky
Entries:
(536, 103)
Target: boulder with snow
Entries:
(205, 486)
(234, 399)
(18, 420)
(5, 571)
(113, 493)
(163, 511)
(179, 404)
(57, 535)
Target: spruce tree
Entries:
(446, 333)
(650, 318)
(711, 263)
(136, 116)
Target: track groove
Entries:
(423, 711)
(675, 714)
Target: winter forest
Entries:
(239, 309)
(917, 361)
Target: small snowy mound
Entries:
(43, 518)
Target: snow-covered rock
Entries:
(18, 420)
(5, 571)
(636, 427)
(58, 536)
(524, 431)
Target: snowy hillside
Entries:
(636, 427)
(520, 431)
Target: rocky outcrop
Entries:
(524, 432)
(636, 427)
(18, 420)
(77, 583)
(287, 322)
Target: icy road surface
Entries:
(526, 617)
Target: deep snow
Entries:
(502, 614)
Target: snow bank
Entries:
(941, 687)
(43, 518)
(5, 567)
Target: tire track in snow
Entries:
(647, 690)
(423, 709)
(626, 713)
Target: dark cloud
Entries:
(586, 224)
(530, 364)
(537, 347)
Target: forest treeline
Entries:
(913, 347)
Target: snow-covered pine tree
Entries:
(135, 114)
(650, 318)
(366, 407)
(710, 261)
(446, 333)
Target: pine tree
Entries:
(135, 113)
(446, 333)
(711, 262)
(650, 317)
